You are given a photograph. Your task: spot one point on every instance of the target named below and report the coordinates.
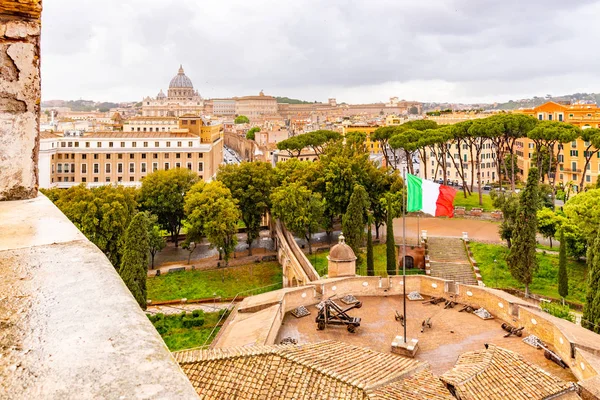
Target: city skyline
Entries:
(459, 51)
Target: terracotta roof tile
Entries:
(421, 385)
(497, 373)
(330, 369)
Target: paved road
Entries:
(450, 227)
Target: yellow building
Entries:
(571, 160)
(372, 146)
(98, 158)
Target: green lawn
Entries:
(319, 261)
(225, 282)
(473, 201)
(178, 337)
(496, 274)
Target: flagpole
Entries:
(404, 204)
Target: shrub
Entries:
(161, 327)
(192, 322)
(197, 313)
(182, 315)
(558, 310)
(224, 312)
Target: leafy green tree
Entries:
(134, 264)
(575, 241)
(591, 310)
(156, 240)
(548, 223)
(563, 277)
(390, 245)
(383, 135)
(583, 210)
(250, 184)
(163, 194)
(102, 214)
(301, 210)
(315, 140)
(212, 211)
(370, 263)
(251, 134)
(508, 204)
(355, 218)
(241, 119)
(521, 258)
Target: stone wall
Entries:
(19, 97)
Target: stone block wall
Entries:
(20, 96)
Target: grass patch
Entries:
(319, 261)
(554, 247)
(225, 282)
(179, 337)
(472, 201)
(545, 282)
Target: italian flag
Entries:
(429, 197)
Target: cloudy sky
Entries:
(356, 51)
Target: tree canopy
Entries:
(241, 119)
(134, 264)
(163, 194)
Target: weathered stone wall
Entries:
(19, 97)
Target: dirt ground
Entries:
(452, 333)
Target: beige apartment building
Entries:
(256, 106)
(489, 172)
(150, 124)
(98, 158)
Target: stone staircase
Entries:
(449, 260)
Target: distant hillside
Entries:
(292, 101)
(592, 98)
(81, 105)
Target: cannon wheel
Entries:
(321, 325)
(351, 328)
(359, 304)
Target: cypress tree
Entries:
(390, 245)
(370, 265)
(563, 278)
(134, 262)
(591, 310)
(521, 259)
(354, 220)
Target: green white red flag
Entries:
(429, 197)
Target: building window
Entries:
(193, 122)
(166, 166)
(131, 168)
(87, 144)
(560, 117)
(122, 144)
(95, 179)
(107, 168)
(177, 155)
(84, 168)
(108, 179)
(155, 155)
(574, 153)
(166, 155)
(540, 117)
(70, 144)
(549, 117)
(119, 179)
(143, 156)
(120, 168)
(110, 144)
(95, 156)
(84, 180)
(131, 179)
(144, 167)
(574, 177)
(108, 156)
(189, 155)
(168, 144)
(200, 155)
(200, 167)
(154, 166)
(131, 156)
(177, 165)
(59, 168)
(145, 144)
(99, 144)
(84, 156)
(189, 166)
(178, 144)
(184, 122)
(60, 178)
(156, 144)
(133, 144)
(76, 144)
(96, 168)
(588, 178)
(73, 168)
(63, 144)
(190, 144)
(574, 166)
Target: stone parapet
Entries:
(20, 95)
